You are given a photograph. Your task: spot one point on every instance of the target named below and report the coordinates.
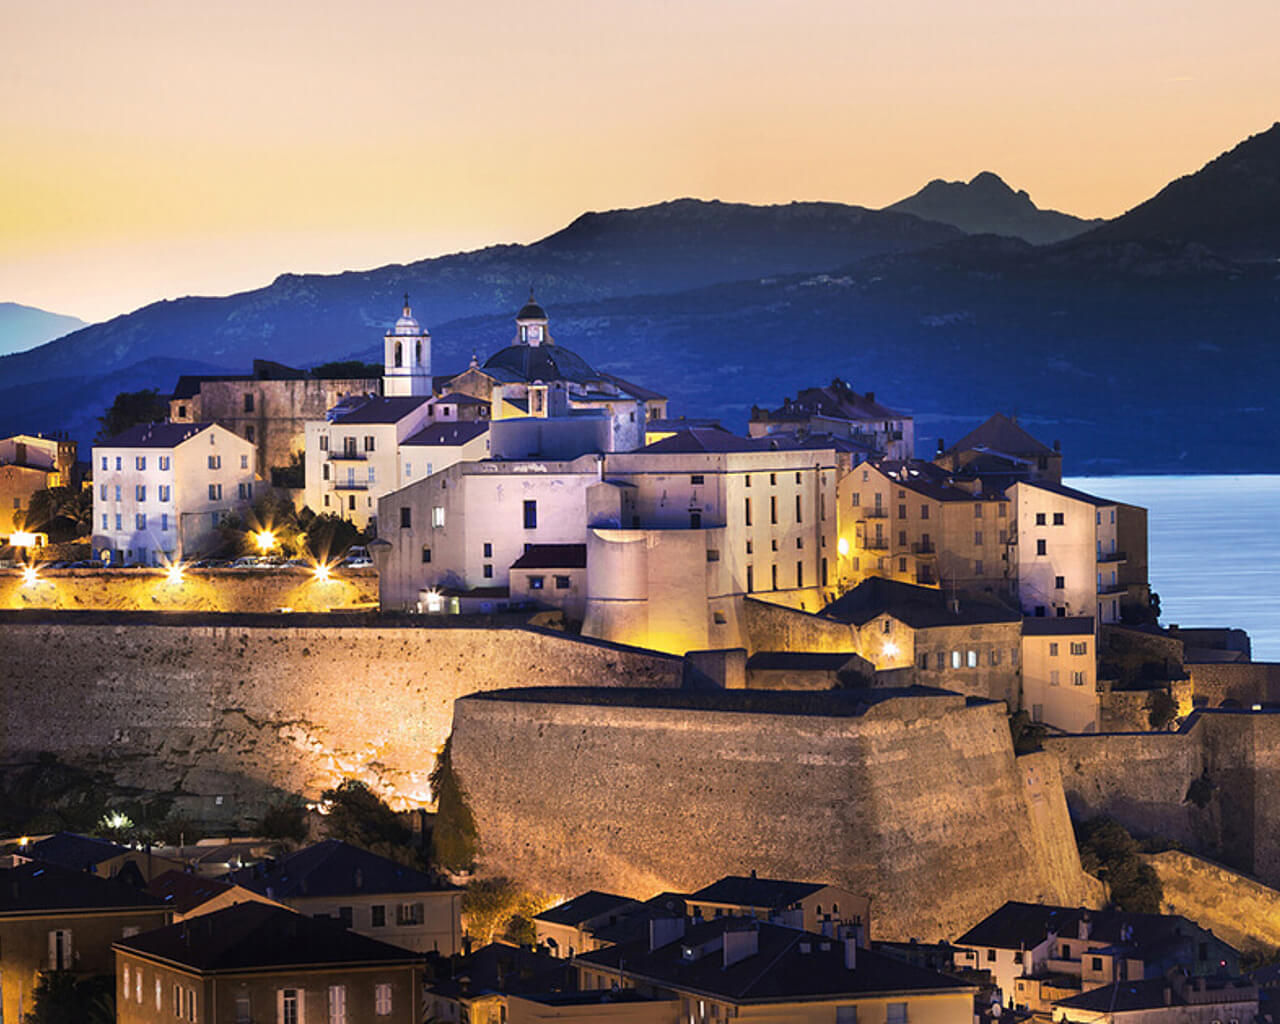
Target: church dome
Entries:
(531, 311)
(541, 362)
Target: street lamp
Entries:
(266, 540)
(30, 577)
(321, 573)
(174, 572)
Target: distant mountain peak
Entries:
(25, 327)
(986, 204)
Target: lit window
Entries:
(437, 515)
(381, 1000)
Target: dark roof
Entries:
(1052, 626)
(446, 434)
(789, 964)
(931, 481)
(74, 851)
(703, 439)
(683, 423)
(918, 607)
(1069, 492)
(1024, 925)
(634, 922)
(552, 556)
(526, 363)
(457, 398)
(583, 908)
(511, 969)
(1002, 434)
(382, 409)
(749, 891)
(835, 401)
(632, 389)
(182, 891)
(188, 385)
(331, 868)
(531, 311)
(832, 703)
(801, 661)
(43, 886)
(256, 935)
(154, 435)
(1127, 996)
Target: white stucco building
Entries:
(161, 489)
(1060, 672)
(1068, 562)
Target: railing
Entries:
(351, 485)
(924, 547)
(876, 513)
(1113, 588)
(347, 456)
(1113, 556)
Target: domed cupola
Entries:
(531, 324)
(406, 357)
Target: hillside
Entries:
(25, 327)
(986, 205)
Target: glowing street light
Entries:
(30, 577)
(321, 573)
(890, 649)
(174, 573)
(24, 539)
(266, 540)
(842, 545)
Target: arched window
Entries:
(419, 353)
(399, 355)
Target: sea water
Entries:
(1214, 549)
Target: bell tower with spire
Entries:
(531, 324)
(407, 358)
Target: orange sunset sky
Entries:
(166, 148)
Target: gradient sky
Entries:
(166, 148)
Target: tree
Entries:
(328, 537)
(64, 513)
(284, 820)
(454, 841)
(497, 906)
(358, 816)
(61, 998)
(1110, 852)
(1162, 709)
(131, 408)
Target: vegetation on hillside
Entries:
(1108, 851)
(357, 815)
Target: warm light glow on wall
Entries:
(23, 539)
(890, 649)
(174, 573)
(842, 545)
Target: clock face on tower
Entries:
(535, 333)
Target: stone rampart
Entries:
(1213, 786)
(1245, 682)
(244, 707)
(915, 800)
(1240, 911)
(205, 590)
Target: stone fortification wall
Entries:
(208, 590)
(1213, 786)
(917, 801)
(772, 627)
(246, 708)
(1247, 683)
(1239, 910)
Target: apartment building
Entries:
(160, 490)
(1060, 673)
(839, 410)
(30, 463)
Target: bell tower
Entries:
(406, 357)
(531, 324)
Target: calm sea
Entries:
(1214, 549)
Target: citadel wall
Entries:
(1211, 786)
(230, 714)
(916, 801)
(1246, 682)
(217, 590)
(1239, 910)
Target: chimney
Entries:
(1168, 996)
(1084, 928)
(663, 930)
(941, 447)
(851, 954)
(1057, 446)
(740, 944)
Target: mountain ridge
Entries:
(26, 327)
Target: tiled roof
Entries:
(584, 907)
(332, 868)
(512, 969)
(182, 891)
(918, 607)
(553, 556)
(255, 935)
(1149, 994)
(74, 851)
(458, 399)
(154, 435)
(1002, 434)
(381, 410)
(789, 964)
(1069, 492)
(749, 891)
(440, 435)
(632, 389)
(1052, 626)
(40, 886)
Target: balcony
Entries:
(351, 485)
(924, 547)
(875, 513)
(876, 544)
(1112, 588)
(347, 456)
(1114, 556)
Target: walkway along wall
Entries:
(913, 797)
(252, 706)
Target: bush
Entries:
(499, 908)
(1162, 709)
(358, 816)
(1110, 852)
(285, 820)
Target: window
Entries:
(102, 491)
(164, 492)
(104, 462)
(1059, 519)
(406, 517)
(824, 572)
(991, 955)
(426, 555)
(244, 460)
(751, 578)
(140, 492)
(1077, 679)
(140, 462)
(177, 1000)
(748, 480)
(191, 1004)
(119, 462)
(372, 474)
(977, 511)
(160, 1000)
(368, 442)
(288, 1004)
(1080, 648)
(902, 565)
(902, 538)
(773, 479)
(409, 914)
(857, 499)
(977, 567)
(437, 515)
(895, 1013)
(797, 476)
(248, 436)
(120, 521)
(799, 517)
(243, 492)
(215, 461)
(695, 520)
(799, 574)
(488, 571)
(164, 522)
(846, 1015)
(1053, 650)
(562, 583)
(126, 979)
(378, 915)
(1041, 548)
(382, 999)
(971, 659)
(337, 1004)
(530, 515)
(248, 402)
(119, 492)
(942, 661)
(215, 492)
(244, 1010)
(1053, 677)
(995, 656)
(924, 511)
(773, 577)
(773, 509)
(695, 478)
(104, 521)
(747, 509)
(955, 659)
(324, 442)
(977, 538)
(140, 521)
(902, 511)
(536, 582)
(324, 471)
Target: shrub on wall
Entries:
(454, 841)
(1108, 851)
